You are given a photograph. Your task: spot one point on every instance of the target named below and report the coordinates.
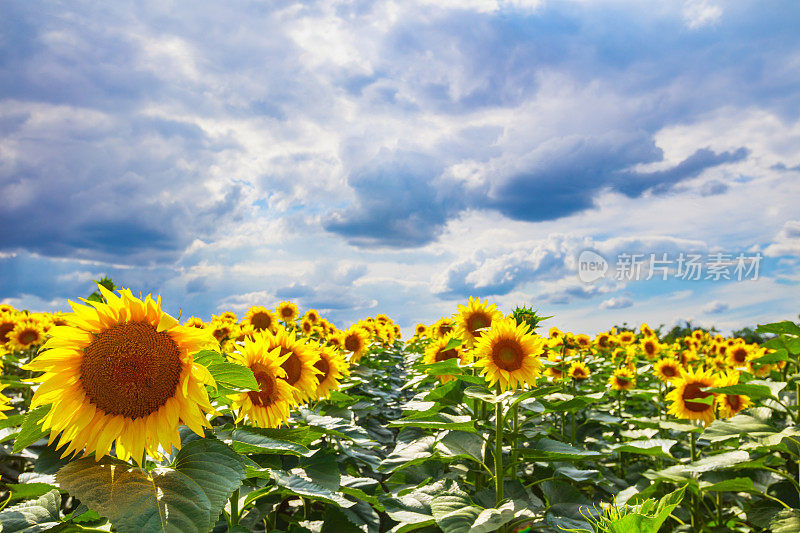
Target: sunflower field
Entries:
(120, 417)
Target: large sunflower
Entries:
(261, 318)
(301, 373)
(651, 347)
(472, 319)
(332, 367)
(269, 406)
(122, 371)
(688, 399)
(730, 404)
(509, 355)
(437, 351)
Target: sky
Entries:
(398, 157)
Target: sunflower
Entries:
(194, 322)
(261, 318)
(7, 308)
(579, 371)
(603, 340)
(667, 370)
(4, 402)
(437, 351)
(646, 330)
(738, 355)
(555, 333)
(698, 335)
(335, 340)
(312, 315)
(287, 311)
(7, 322)
(442, 327)
(307, 327)
(623, 379)
(651, 347)
(688, 399)
(299, 366)
(730, 404)
(220, 330)
(122, 371)
(354, 340)
(554, 372)
(269, 406)
(420, 330)
(471, 319)
(584, 341)
(332, 367)
(25, 334)
(626, 337)
(509, 354)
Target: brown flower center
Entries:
(444, 355)
(323, 366)
(739, 355)
(131, 369)
(507, 355)
(28, 336)
(734, 402)
(477, 321)
(352, 343)
(5, 329)
(669, 371)
(264, 397)
(692, 392)
(287, 312)
(293, 366)
(261, 320)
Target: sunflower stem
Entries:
(498, 452)
(515, 440)
(234, 499)
(692, 453)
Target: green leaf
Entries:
(215, 467)
(31, 431)
(653, 447)
(553, 450)
(461, 444)
(437, 421)
(455, 512)
(786, 521)
(739, 484)
(32, 516)
(338, 427)
(720, 461)
(233, 376)
(448, 367)
(408, 454)
(651, 521)
(483, 394)
(27, 491)
(186, 498)
(776, 357)
(565, 403)
(413, 510)
(755, 392)
(779, 328)
(455, 342)
(738, 425)
(208, 357)
(296, 482)
(255, 441)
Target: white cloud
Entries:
(699, 13)
(787, 242)
(715, 307)
(620, 302)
